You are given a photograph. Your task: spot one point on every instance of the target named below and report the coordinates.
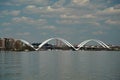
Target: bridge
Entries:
(66, 43)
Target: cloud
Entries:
(94, 23)
(49, 10)
(68, 11)
(6, 24)
(62, 11)
(69, 16)
(112, 22)
(59, 3)
(79, 21)
(30, 7)
(108, 15)
(98, 33)
(23, 34)
(12, 12)
(22, 19)
(47, 27)
(7, 29)
(67, 22)
(15, 12)
(33, 9)
(117, 6)
(7, 4)
(29, 20)
(80, 2)
(89, 16)
(109, 11)
(34, 2)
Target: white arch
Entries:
(98, 41)
(69, 44)
(27, 43)
(104, 44)
(86, 41)
(64, 41)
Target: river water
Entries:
(60, 65)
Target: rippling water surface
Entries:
(60, 65)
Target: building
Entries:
(9, 43)
(2, 44)
(18, 45)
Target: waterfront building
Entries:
(9, 43)
(18, 45)
(2, 44)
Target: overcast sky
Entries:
(73, 20)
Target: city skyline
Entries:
(73, 20)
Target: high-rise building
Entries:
(9, 43)
(2, 44)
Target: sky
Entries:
(73, 20)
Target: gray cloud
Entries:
(10, 12)
(28, 20)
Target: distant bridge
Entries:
(67, 43)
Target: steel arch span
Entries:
(27, 43)
(98, 41)
(64, 41)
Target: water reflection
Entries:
(59, 65)
(10, 66)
